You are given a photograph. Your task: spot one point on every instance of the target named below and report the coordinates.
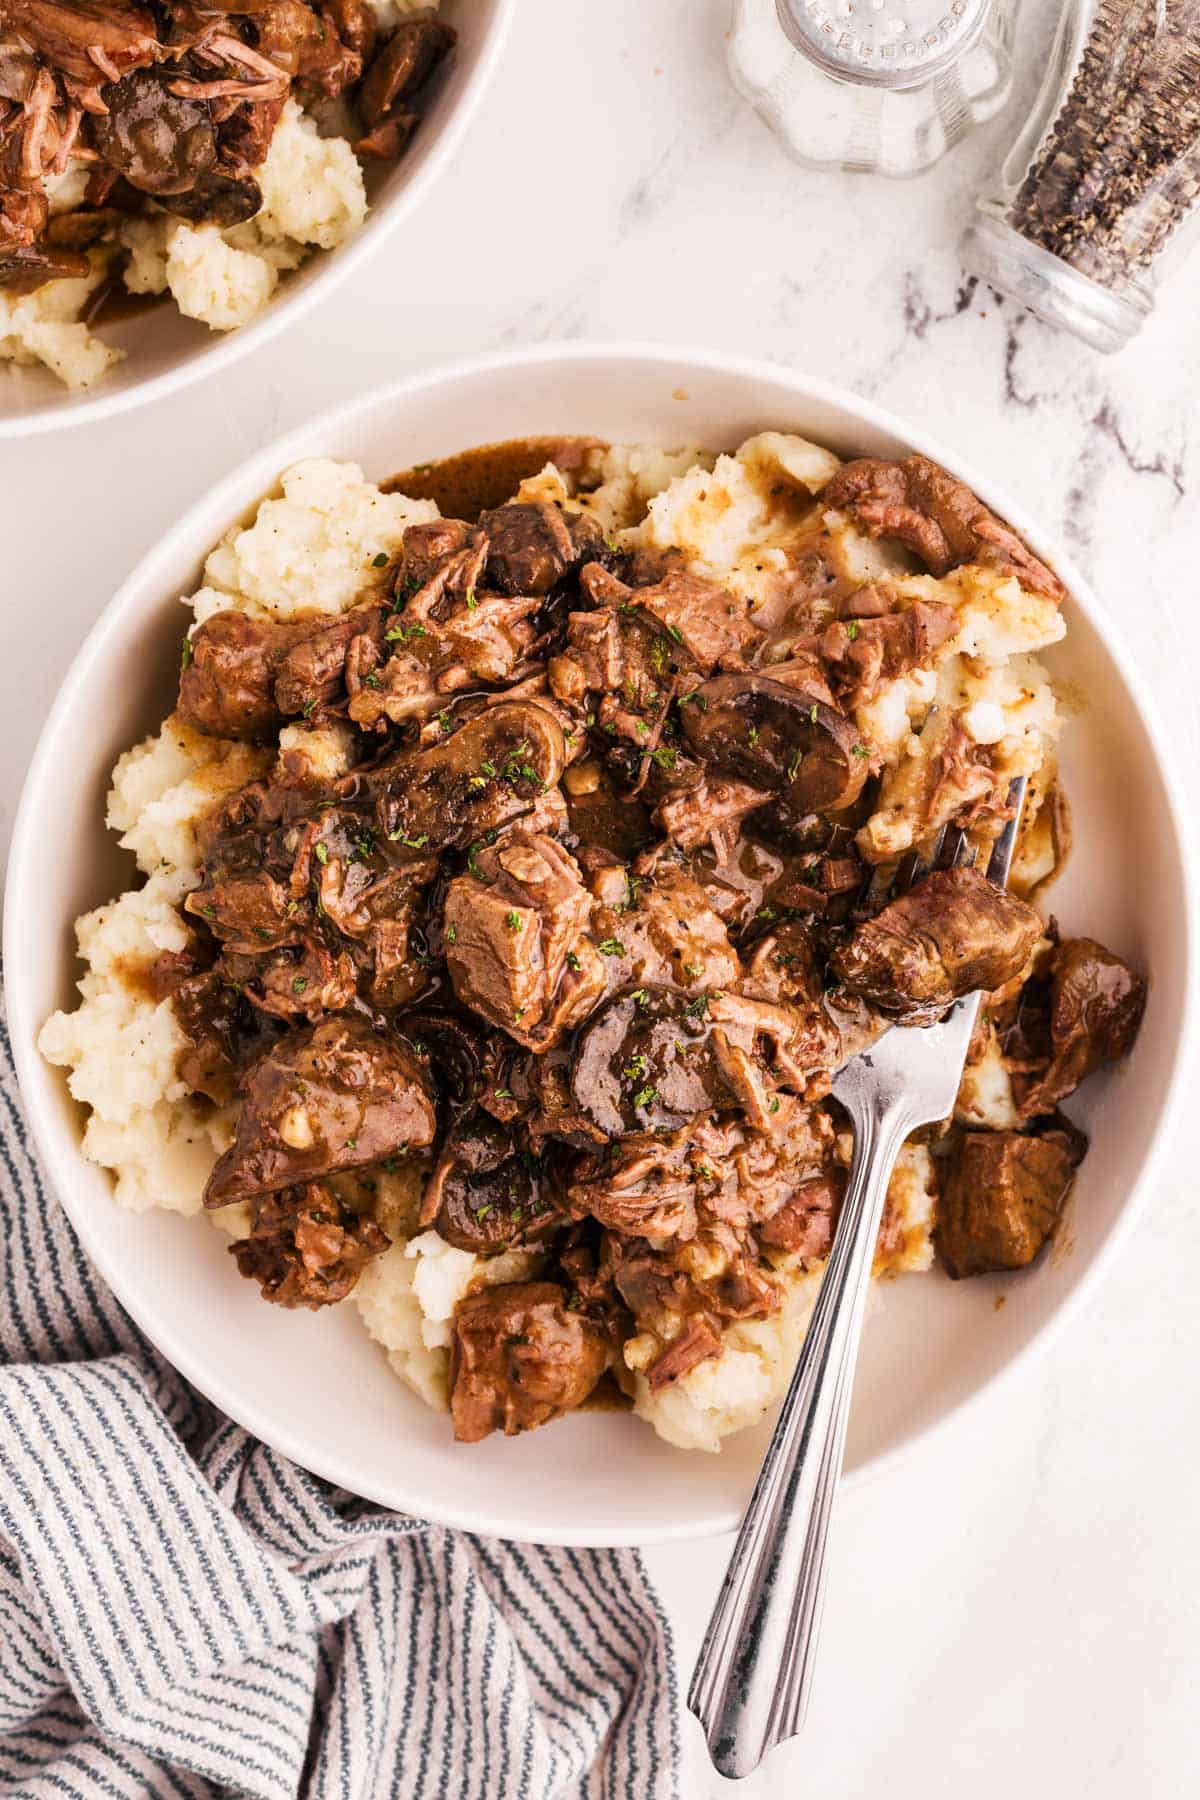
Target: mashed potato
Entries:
(321, 543)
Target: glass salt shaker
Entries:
(879, 86)
(1098, 195)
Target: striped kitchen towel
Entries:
(183, 1612)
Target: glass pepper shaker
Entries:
(1099, 192)
(882, 86)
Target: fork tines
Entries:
(951, 848)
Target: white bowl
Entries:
(164, 351)
(316, 1387)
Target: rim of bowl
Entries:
(384, 218)
(655, 360)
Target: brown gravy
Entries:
(112, 303)
(475, 480)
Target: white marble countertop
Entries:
(1017, 1607)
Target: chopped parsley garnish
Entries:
(321, 854)
(186, 654)
(489, 768)
(813, 713)
(573, 961)
(664, 757)
(639, 996)
(637, 1068)
(793, 768)
(852, 630)
(380, 561)
(372, 680)
(309, 708)
(659, 654)
(417, 843)
(513, 921)
(452, 934)
(472, 602)
(675, 633)
(774, 1106)
(860, 750)
(299, 984)
(611, 947)
(645, 1096)
(504, 1093)
(698, 1007)
(752, 734)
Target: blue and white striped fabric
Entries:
(185, 1613)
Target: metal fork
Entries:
(751, 1684)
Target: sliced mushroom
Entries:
(485, 1193)
(160, 143)
(646, 1060)
(217, 199)
(493, 768)
(777, 736)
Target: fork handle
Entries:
(751, 1683)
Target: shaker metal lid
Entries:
(882, 43)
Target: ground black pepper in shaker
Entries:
(1106, 172)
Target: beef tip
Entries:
(666, 1185)
(937, 517)
(309, 673)
(718, 1273)
(86, 38)
(248, 913)
(389, 140)
(765, 1049)
(708, 620)
(532, 546)
(227, 685)
(697, 1341)
(217, 199)
(306, 1248)
(859, 654)
(334, 1096)
(455, 629)
(486, 1194)
(424, 549)
(222, 1031)
(515, 944)
(643, 1186)
(520, 1358)
(294, 984)
(1001, 1198)
(160, 143)
(803, 1225)
(951, 934)
(777, 735)
(712, 813)
(660, 929)
(242, 676)
(1094, 1009)
(404, 64)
